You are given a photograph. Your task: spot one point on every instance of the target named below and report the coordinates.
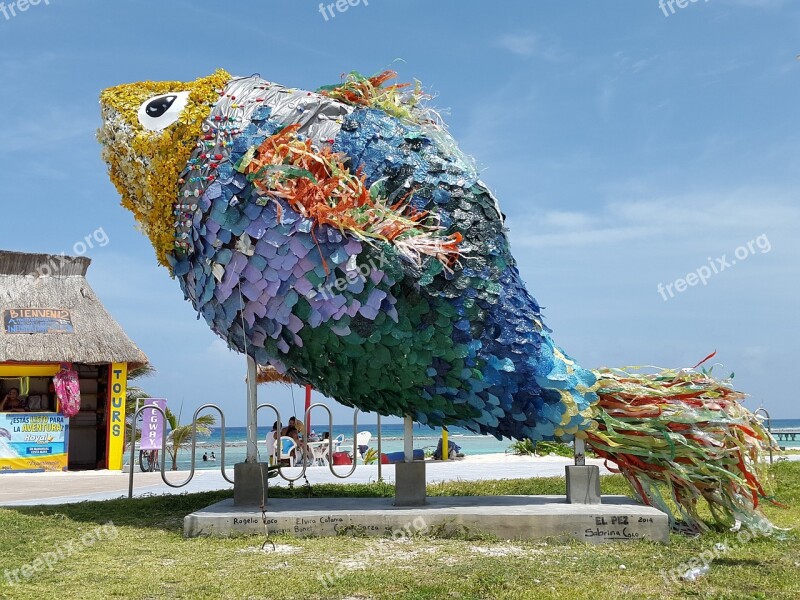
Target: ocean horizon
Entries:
(391, 440)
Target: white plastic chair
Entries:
(337, 442)
(271, 447)
(362, 441)
(319, 452)
(288, 450)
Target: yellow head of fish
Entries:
(148, 134)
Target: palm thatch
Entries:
(268, 374)
(46, 281)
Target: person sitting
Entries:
(291, 425)
(213, 456)
(454, 450)
(272, 442)
(291, 432)
(11, 402)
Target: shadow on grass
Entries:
(737, 562)
(160, 512)
(167, 512)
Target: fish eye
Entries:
(156, 108)
(159, 112)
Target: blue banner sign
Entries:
(37, 320)
(33, 442)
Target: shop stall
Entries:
(63, 368)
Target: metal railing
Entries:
(769, 426)
(164, 445)
(280, 467)
(304, 443)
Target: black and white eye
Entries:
(159, 112)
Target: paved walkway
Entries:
(20, 489)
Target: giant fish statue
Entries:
(342, 237)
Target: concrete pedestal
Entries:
(250, 484)
(583, 484)
(618, 519)
(409, 484)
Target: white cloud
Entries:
(48, 130)
(528, 45)
(523, 45)
(668, 219)
(596, 272)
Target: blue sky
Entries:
(627, 148)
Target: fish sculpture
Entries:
(341, 237)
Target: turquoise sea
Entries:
(392, 441)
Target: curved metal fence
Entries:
(272, 456)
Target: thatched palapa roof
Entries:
(44, 281)
(268, 374)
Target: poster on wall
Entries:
(33, 442)
(152, 425)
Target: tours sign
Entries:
(116, 416)
(37, 320)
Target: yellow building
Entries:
(52, 319)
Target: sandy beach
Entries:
(508, 458)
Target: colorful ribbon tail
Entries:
(679, 436)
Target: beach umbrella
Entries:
(268, 374)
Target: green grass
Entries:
(150, 559)
(527, 447)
